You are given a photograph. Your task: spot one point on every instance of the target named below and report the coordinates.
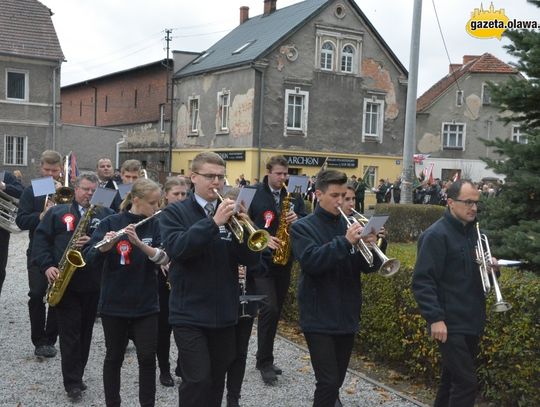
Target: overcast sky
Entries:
(104, 36)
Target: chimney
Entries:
(469, 58)
(269, 7)
(454, 67)
(244, 14)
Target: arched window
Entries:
(327, 56)
(347, 58)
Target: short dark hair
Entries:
(328, 177)
(350, 186)
(453, 190)
(276, 160)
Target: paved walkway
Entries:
(25, 381)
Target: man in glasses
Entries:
(448, 289)
(204, 282)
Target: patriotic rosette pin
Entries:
(69, 221)
(268, 218)
(123, 248)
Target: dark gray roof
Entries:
(26, 29)
(265, 31)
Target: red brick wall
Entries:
(116, 98)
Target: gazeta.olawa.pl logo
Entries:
(493, 23)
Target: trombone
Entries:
(389, 267)
(257, 239)
(483, 258)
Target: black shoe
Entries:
(277, 369)
(74, 395)
(83, 386)
(166, 380)
(338, 403)
(268, 375)
(45, 351)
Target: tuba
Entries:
(8, 212)
(483, 258)
(71, 260)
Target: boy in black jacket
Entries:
(265, 210)
(76, 311)
(329, 290)
(43, 326)
(448, 289)
(204, 282)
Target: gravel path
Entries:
(27, 381)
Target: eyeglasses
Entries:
(211, 177)
(468, 202)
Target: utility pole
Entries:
(410, 114)
(170, 97)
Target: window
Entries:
(106, 102)
(347, 57)
(459, 98)
(223, 110)
(372, 126)
(370, 175)
(243, 47)
(486, 95)
(517, 136)
(453, 136)
(296, 110)
(15, 150)
(17, 85)
(194, 114)
(162, 118)
(327, 56)
(135, 99)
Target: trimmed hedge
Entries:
(392, 331)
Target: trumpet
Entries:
(122, 232)
(483, 258)
(257, 239)
(389, 267)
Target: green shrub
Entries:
(408, 221)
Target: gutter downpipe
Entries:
(57, 68)
(117, 152)
(261, 69)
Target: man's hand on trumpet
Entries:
(224, 212)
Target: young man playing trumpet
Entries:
(204, 282)
(329, 290)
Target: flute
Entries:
(122, 231)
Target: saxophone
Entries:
(283, 252)
(71, 260)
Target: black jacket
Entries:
(30, 207)
(446, 281)
(52, 237)
(13, 186)
(204, 266)
(129, 282)
(329, 289)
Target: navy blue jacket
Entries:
(129, 282)
(30, 207)
(52, 237)
(13, 186)
(204, 266)
(329, 289)
(446, 281)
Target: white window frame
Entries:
(445, 135)
(370, 176)
(193, 116)
(517, 136)
(459, 98)
(327, 53)
(12, 160)
(486, 93)
(223, 110)
(26, 84)
(304, 95)
(378, 136)
(349, 56)
(162, 118)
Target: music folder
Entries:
(376, 222)
(124, 189)
(103, 197)
(43, 186)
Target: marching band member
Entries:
(128, 302)
(204, 282)
(105, 173)
(174, 190)
(76, 311)
(329, 290)
(43, 326)
(11, 186)
(271, 279)
(129, 173)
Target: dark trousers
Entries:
(275, 286)
(164, 329)
(459, 384)
(144, 331)
(235, 374)
(43, 324)
(76, 313)
(4, 247)
(359, 205)
(330, 356)
(205, 355)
